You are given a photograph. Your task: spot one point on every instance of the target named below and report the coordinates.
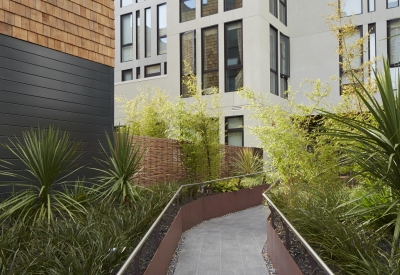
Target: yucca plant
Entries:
(48, 157)
(376, 143)
(247, 161)
(119, 166)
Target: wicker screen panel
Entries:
(83, 28)
(163, 160)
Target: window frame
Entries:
(371, 29)
(154, 74)
(232, 67)
(361, 6)
(146, 33)
(181, 60)
(277, 62)
(360, 28)
(368, 6)
(201, 10)
(137, 34)
(234, 130)
(231, 9)
(202, 55)
(180, 11)
(158, 27)
(121, 33)
(282, 75)
(283, 2)
(276, 8)
(122, 75)
(387, 5)
(388, 42)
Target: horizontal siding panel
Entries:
(38, 70)
(62, 96)
(30, 79)
(49, 63)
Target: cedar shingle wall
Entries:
(84, 28)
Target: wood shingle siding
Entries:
(83, 28)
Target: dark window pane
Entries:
(234, 79)
(126, 37)
(282, 11)
(188, 10)
(394, 42)
(138, 73)
(137, 34)
(274, 83)
(234, 130)
(273, 37)
(285, 54)
(235, 139)
(210, 80)
(162, 29)
(188, 60)
(232, 4)
(210, 48)
(273, 8)
(234, 44)
(152, 70)
(148, 32)
(127, 75)
(209, 7)
(284, 87)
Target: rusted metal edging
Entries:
(154, 225)
(310, 250)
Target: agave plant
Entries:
(48, 157)
(119, 167)
(377, 150)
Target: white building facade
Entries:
(265, 45)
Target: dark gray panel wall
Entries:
(40, 86)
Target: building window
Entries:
(209, 7)
(165, 67)
(127, 75)
(137, 34)
(273, 7)
(273, 50)
(352, 58)
(372, 46)
(392, 3)
(233, 56)
(152, 70)
(188, 59)
(162, 29)
(138, 73)
(350, 7)
(371, 5)
(282, 11)
(394, 49)
(126, 3)
(187, 10)
(126, 37)
(285, 64)
(210, 59)
(147, 33)
(234, 130)
(232, 4)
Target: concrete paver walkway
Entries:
(226, 246)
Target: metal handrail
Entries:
(313, 254)
(154, 225)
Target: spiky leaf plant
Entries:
(48, 157)
(119, 166)
(376, 150)
(247, 161)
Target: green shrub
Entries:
(48, 158)
(247, 161)
(225, 186)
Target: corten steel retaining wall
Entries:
(278, 254)
(163, 160)
(196, 212)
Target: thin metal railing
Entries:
(314, 259)
(176, 196)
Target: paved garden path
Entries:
(228, 245)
